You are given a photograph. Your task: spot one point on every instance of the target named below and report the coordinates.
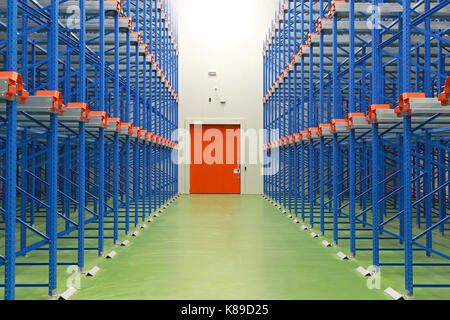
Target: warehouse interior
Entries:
(224, 150)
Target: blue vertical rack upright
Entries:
(359, 93)
(88, 104)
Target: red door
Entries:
(215, 159)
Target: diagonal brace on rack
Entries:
(2, 211)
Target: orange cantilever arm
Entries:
(311, 131)
(58, 105)
(15, 84)
(125, 126)
(372, 115)
(403, 105)
(335, 121)
(84, 116)
(142, 134)
(350, 117)
(444, 97)
(102, 115)
(323, 126)
(24, 96)
(115, 122)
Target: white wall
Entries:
(226, 36)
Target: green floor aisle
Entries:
(225, 247)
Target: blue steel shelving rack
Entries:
(87, 109)
(357, 161)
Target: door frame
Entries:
(211, 121)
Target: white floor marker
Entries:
(327, 244)
(67, 294)
(111, 255)
(342, 255)
(364, 272)
(394, 294)
(93, 272)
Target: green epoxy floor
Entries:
(225, 247)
